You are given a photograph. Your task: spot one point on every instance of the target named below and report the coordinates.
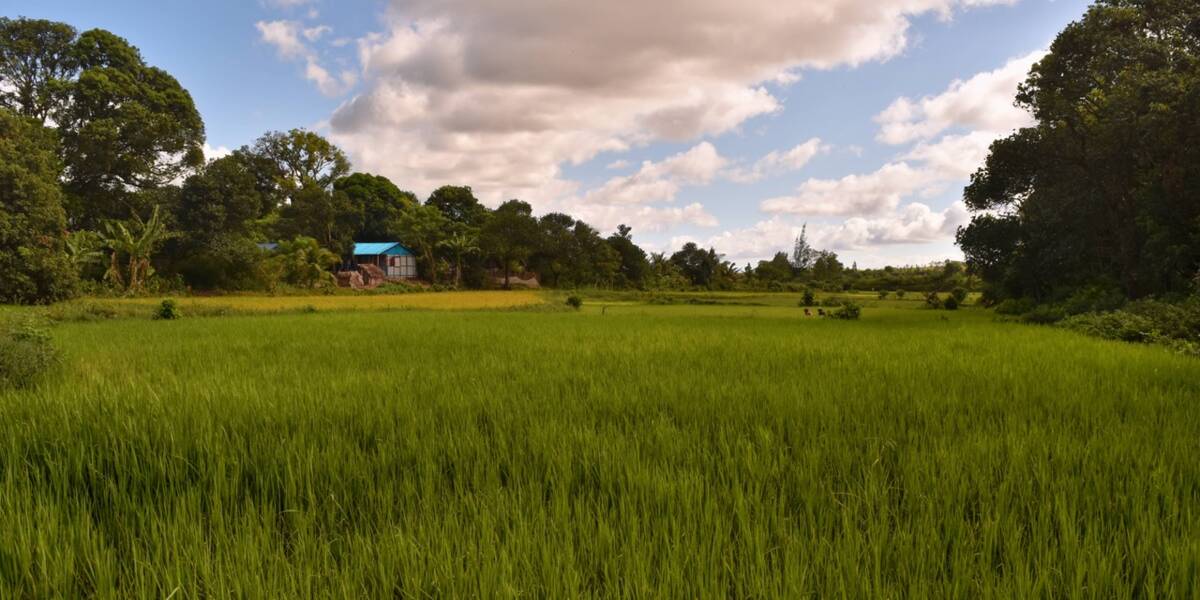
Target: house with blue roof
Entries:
(393, 258)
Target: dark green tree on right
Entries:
(1104, 189)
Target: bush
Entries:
(883, 295)
(1176, 326)
(1178, 321)
(832, 301)
(809, 299)
(900, 294)
(959, 295)
(950, 303)
(849, 311)
(26, 352)
(775, 286)
(168, 311)
(1118, 325)
(933, 300)
(1014, 307)
(1044, 315)
(575, 302)
(1093, 299)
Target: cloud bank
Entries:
(502, 94)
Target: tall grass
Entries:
(631, 451)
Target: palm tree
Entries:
(460, 244)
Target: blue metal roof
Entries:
(377, 248)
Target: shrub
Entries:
(1118, 325)
(1179, 321)
(1014, 307)
(775, 286)
(304, 263)
(809, 299)
(832, 301)
(575, 302)
(950, 303)
(849, 311)
(1044, 315)
(959, 295)
(900, 294)
(933, 300)
(26, 352)
(167, 311)
(1093, 299)
(883, 294)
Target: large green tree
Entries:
(302, 158)
(328, 217)
(219, 214)
(509, 236)
(378, 201)
(423, 229)
(34, 265)
(634, 265)
(459, 204)
(37, 62)
(1101, 190)
(299, 169)
(550, 259)
(124, 126)
(697, 264)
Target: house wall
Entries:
(396, 266)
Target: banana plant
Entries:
(459, 245)
(136, 241)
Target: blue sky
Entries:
(731, 123)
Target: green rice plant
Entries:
(675, 450)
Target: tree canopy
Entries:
(34, 266)
(1099, 191)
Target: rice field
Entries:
(234, 304)
(627, 450)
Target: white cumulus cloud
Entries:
(779, 162)
(291, 40)
(500, 95)
(983, 102)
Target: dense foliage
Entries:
(1101, 190)
(34, 266)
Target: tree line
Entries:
(105, 189)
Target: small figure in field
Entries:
(807, 313)
(820, 312)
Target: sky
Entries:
(729, 123)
